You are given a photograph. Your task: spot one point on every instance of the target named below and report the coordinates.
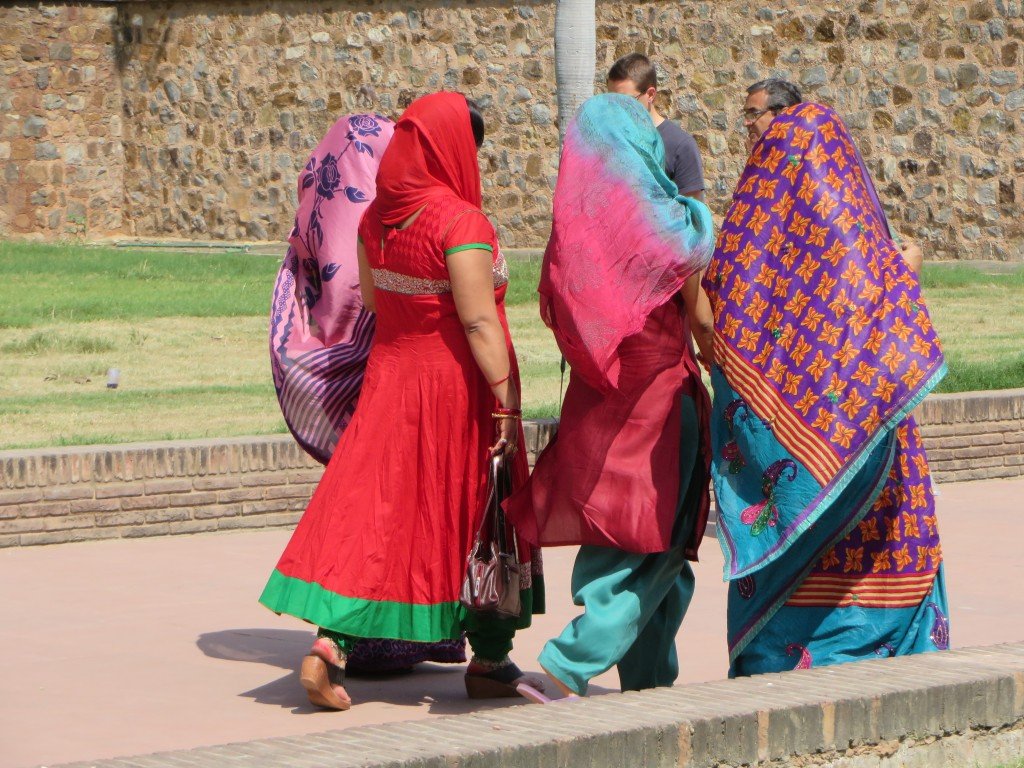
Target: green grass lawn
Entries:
(41, 284)
(979, 314)
(188, 333)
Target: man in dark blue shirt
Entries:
(634, 75)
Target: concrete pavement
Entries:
(132, 646)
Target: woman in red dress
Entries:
(381, 550)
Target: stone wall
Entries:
(57, 495)
(191, 119)
(61, 122)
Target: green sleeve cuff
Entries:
(469, 247)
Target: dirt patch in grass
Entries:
(180, 377)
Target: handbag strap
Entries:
(497, 513)
(493, 513)
(493, 503)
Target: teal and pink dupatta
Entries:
(623, 242)
(823, 347)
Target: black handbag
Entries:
(493, 577)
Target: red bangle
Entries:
(500, 381)
(508, 411)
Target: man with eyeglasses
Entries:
(765, 99)
(634, 75)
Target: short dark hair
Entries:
(782, 94)
(635, 67)
(477, 121)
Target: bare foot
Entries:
(567, 692)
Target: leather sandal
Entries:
(322, 670)
(499, 683)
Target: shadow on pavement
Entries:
(438, 687)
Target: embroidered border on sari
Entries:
(828, 495)
(875, 590)
(742, 638)
(793, 434)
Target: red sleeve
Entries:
(469, 229)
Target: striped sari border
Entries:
(822, 590)
(814, 453)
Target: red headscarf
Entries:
(432, 154)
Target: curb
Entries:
(954, 708)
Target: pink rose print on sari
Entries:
(765, 514)
(326, 183)
(364, 125)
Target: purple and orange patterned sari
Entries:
(823, 348)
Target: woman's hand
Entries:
(702, 320)
(912, 254)
(472, 278)
(506, 430)
(507, 437)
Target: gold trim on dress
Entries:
(396, 282)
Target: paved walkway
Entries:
(125, 647)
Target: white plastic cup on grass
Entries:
(113, 378)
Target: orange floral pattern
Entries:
(813, 286)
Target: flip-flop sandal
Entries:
(500, 683)
(530, 693)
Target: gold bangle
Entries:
(506, 416)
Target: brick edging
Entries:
(57, 495)
(86, 493)
(971, 407)
(963, 707)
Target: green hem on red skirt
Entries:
(360, 617)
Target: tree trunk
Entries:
(575, 57)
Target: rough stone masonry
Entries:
(191, 119)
